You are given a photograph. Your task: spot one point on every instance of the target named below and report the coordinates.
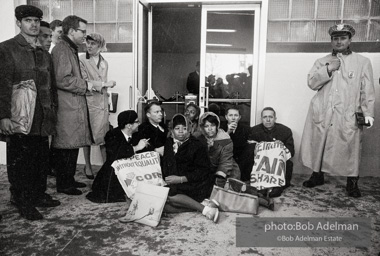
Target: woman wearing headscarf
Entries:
(186, 170)
(94, 69)
(220, 149)
(106, 187)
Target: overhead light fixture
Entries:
(221, 30)
(220, 45)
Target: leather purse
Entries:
(232, 201)
(360, 120)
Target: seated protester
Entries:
(220, 149)
(269, 130)
(106, 187)
(239, 136)
(192, 112)
(186, 170)
(152, 129)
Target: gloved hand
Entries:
(220, 181)
(369, 120)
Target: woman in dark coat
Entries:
(106, 187)
(186, 169)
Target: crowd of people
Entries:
(197, 151)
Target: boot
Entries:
(276, 192)
(288, 173)
(316, 179)
(352, 187)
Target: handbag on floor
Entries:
(240, 186)
(147, 205)
(235, 201)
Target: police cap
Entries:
(341, 30)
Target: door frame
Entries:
(260, 47)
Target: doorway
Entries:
(223, 39)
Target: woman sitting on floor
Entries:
(220, 149)
(192, 112)
(106, 187)
(186, 169)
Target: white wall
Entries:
(287, 92)
(8, 30)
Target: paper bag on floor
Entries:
(147, 205)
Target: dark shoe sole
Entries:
(47, 204)
(310, 184)
(70, 191)
(79, 184)
(354, 194)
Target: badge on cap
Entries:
(339, 27)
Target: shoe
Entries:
(211, 213)
(70, 191)
(46, 201)
(25, 208)
(276, 192)
(91, 176)
(316, 179)
(352, 187)
(27, 211)
(211, 203)
(79, 184)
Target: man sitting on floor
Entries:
(269, 131)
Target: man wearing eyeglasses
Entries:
(24, 62)
(73, 130)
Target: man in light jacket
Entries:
(331, 141)
(73, 130)
(24, 59)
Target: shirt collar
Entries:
(71, 43)
(345, 52)
(32, 41)
(126, 135)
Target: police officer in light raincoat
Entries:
(331, 141)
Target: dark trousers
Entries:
(27, 163)
(65, 163)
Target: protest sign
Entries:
(270, 165)
(144, 167)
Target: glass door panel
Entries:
(228, 58)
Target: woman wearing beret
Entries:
(94, 69)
